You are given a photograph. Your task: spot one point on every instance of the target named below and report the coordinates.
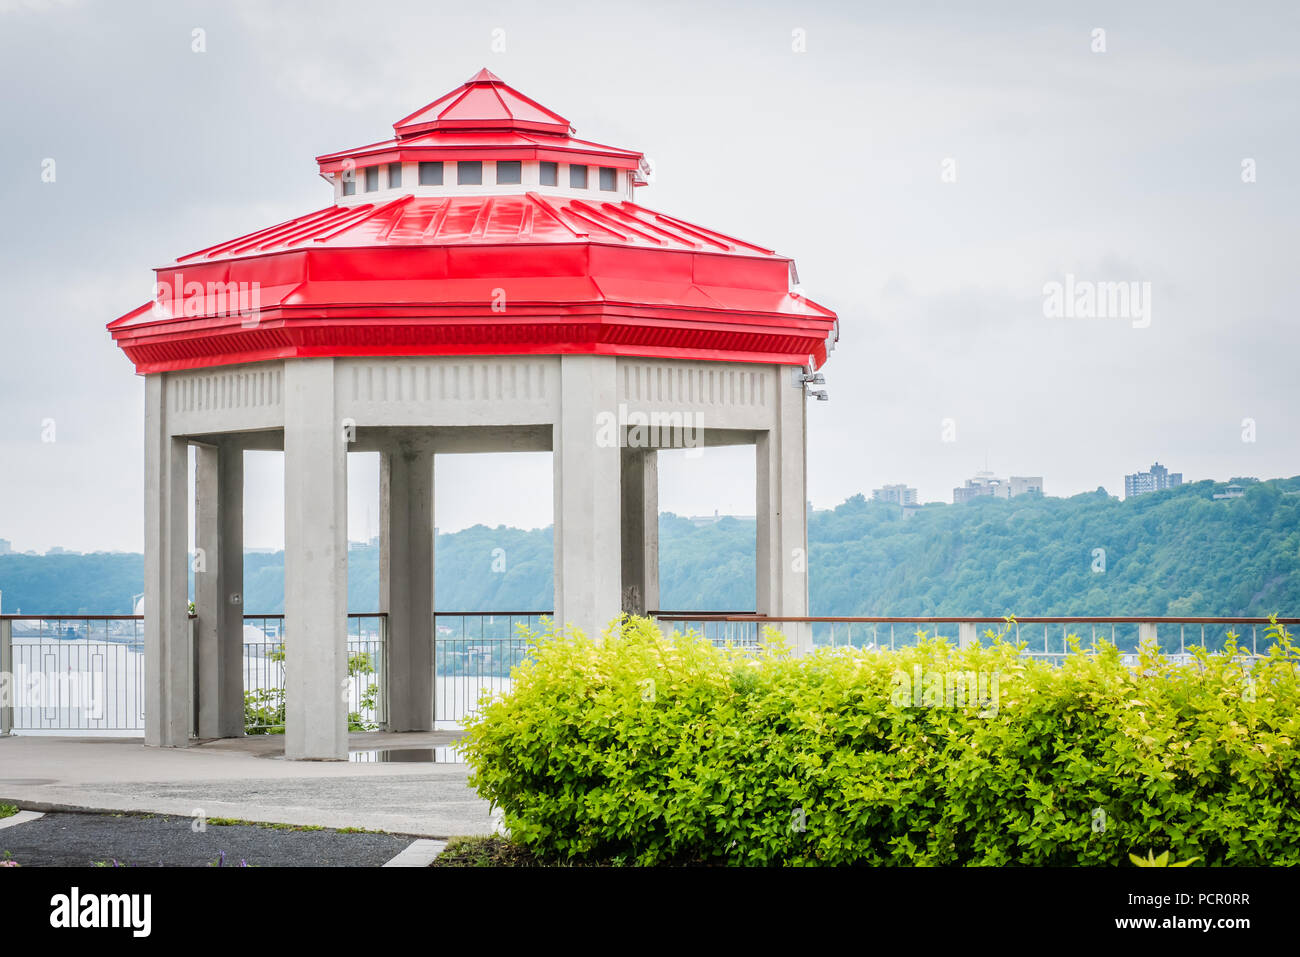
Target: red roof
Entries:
(526, 273)
(486, 144)
(440, 220)
(488, 119)
(484, 102)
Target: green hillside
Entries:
(1167, 553)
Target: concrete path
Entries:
(248, 779)
(135, 840)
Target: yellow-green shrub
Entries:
(653, 749)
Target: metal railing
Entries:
(1045, 637)
(264, 659)
(84, 674)
(474, 653)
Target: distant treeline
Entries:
(1166, 553)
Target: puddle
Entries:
(443, 755)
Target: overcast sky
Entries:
(1117, 166)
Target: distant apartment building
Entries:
(1157, 479)
(1024, 485)
(985, 484)
(895, 494)
(1232, 491)
(701, 520)
(6, 546)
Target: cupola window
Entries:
(608, 179)
(469, 173)
(510, 171)
(550, 174)
(431, 174)
(394, 175)
(577, 177)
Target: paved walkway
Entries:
(247, 779)
(135, 840)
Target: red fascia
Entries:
(578, 297)
(453, 152)
(272, 341)
(606, 329)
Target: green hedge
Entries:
(648, 749)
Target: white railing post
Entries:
(381, 696)
(192, 661)
(967, 634)
(7, 668)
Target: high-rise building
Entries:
(985, 484)
(1157, 479)
(5, 546)
(1021, 485)
(982, 484)
(896, 494)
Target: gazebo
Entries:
(482, 281)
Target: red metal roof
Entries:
(487, 144)
(484, 102)
(488, 119)
(438, 220)
(526, 273)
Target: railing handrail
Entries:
(695, 615)
(499, 614)
(23, 616)
(958, 619)
(351, 614)
(754, 616)
(26, 617)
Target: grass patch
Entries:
(271, 825)
(495, 851)
(498, 851)
(8, 810)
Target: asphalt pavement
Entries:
(157, 840)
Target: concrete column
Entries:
(167, 706)
(588, 543)
(219, 587)
(406, 582)
(315, 564)
(6, 668)
(640, 511)
(780, 457)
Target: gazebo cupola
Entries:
(485, 138)
(482, 281)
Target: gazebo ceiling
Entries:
(478, 272)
